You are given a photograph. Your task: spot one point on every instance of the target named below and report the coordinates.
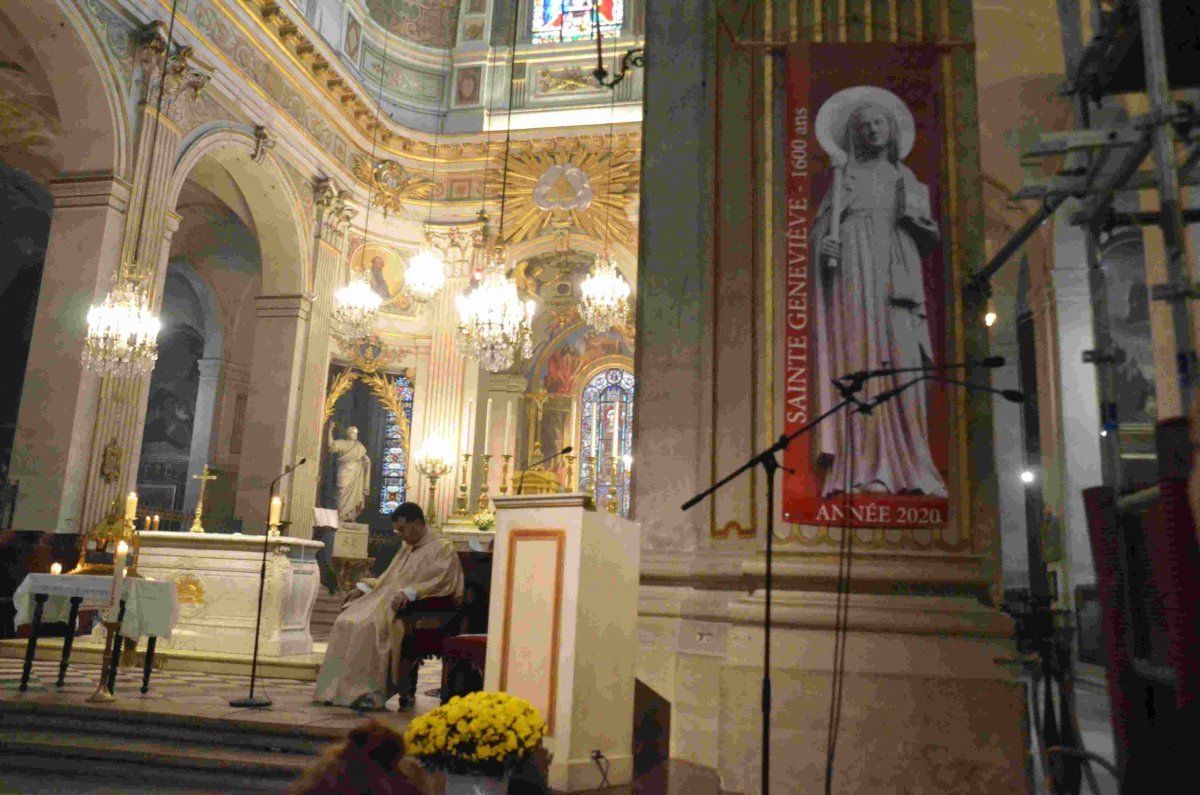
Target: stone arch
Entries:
(84, 80)
(211, 310)
(275, 209)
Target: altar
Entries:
(216, 576)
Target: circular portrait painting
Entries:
(383, 268)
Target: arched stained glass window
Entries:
(607, 430)
(572, 20)
(394, 467)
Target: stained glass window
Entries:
(394, 468)
(574, 20)
(607, 430)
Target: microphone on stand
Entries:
(252, 701)
(521, 482)
(862, 375)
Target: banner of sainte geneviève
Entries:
(865, 284)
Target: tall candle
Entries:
(56, 568)
(276, 510)
(616, 431)
(154, 526)
(487, 428)
(469, 435)
(131, 507)
(119, 571)
(510, 431)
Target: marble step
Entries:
(209, 754)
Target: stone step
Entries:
(203, 754)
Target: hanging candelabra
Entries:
(494, 322)
(605, 297)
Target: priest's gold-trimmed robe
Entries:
(360, 664)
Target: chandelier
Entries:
(494, 323)
(122, 335)
(605, 297)
(425, 275)
(355, 306)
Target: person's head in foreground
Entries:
(370, 760)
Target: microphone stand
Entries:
(251, 701)
(848, 386)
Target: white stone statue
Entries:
(353, 473)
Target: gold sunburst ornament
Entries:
(584, 187)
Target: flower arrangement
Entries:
(479, 734)
(484, 520)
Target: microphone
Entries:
(1011, 395)
(288, 471)
(521, 482)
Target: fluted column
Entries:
(446, 373)
(203, 429)
(333, 213)
(54, 424)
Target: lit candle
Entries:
(146, 524)
(119, 570)
(616, 431)
(469, 436)
(510, 431)
(628, 461)
(131, 507)
(56, 568)
(154, 526)
(571, 432)
(487, 428)
(276, 510)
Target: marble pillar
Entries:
(330, 225)
(276, 381)
(54, 424)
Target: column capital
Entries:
(334, 209)
(185, 73)
(90, 190)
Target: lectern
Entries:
(562, 629)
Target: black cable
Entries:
(596, 757)
(841, 608)
(512, 82)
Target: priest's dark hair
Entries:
(408, 511)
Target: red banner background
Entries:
(815, 73)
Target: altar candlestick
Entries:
(131, 507)
(119, 571)
(56, 568)
(146, 524)
(487, 428)
(276, 510)
(154, 526)
(510, 431)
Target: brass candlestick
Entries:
(273, 530)
(484, 500)
(612, 504)
(570, 484)
(460, 505)
(432, 468)
(504, 474)
(103, 694)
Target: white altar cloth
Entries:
(151, 607)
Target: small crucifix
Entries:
(203, 477)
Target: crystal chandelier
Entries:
(494, 323)
(425, 275)
(122, 335)
(605, 297)
(355, 307)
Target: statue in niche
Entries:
(353, 473)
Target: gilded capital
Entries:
(185, 74)
(334, 210)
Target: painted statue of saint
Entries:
(872, 231)
(353, 473)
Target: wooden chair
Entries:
(427, 624)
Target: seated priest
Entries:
(363, 667)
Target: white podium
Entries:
(562, 628)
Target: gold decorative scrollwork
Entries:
(384, 389)
(391, 184)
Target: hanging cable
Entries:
(512, 82)
(841, 606)
(387, 40)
